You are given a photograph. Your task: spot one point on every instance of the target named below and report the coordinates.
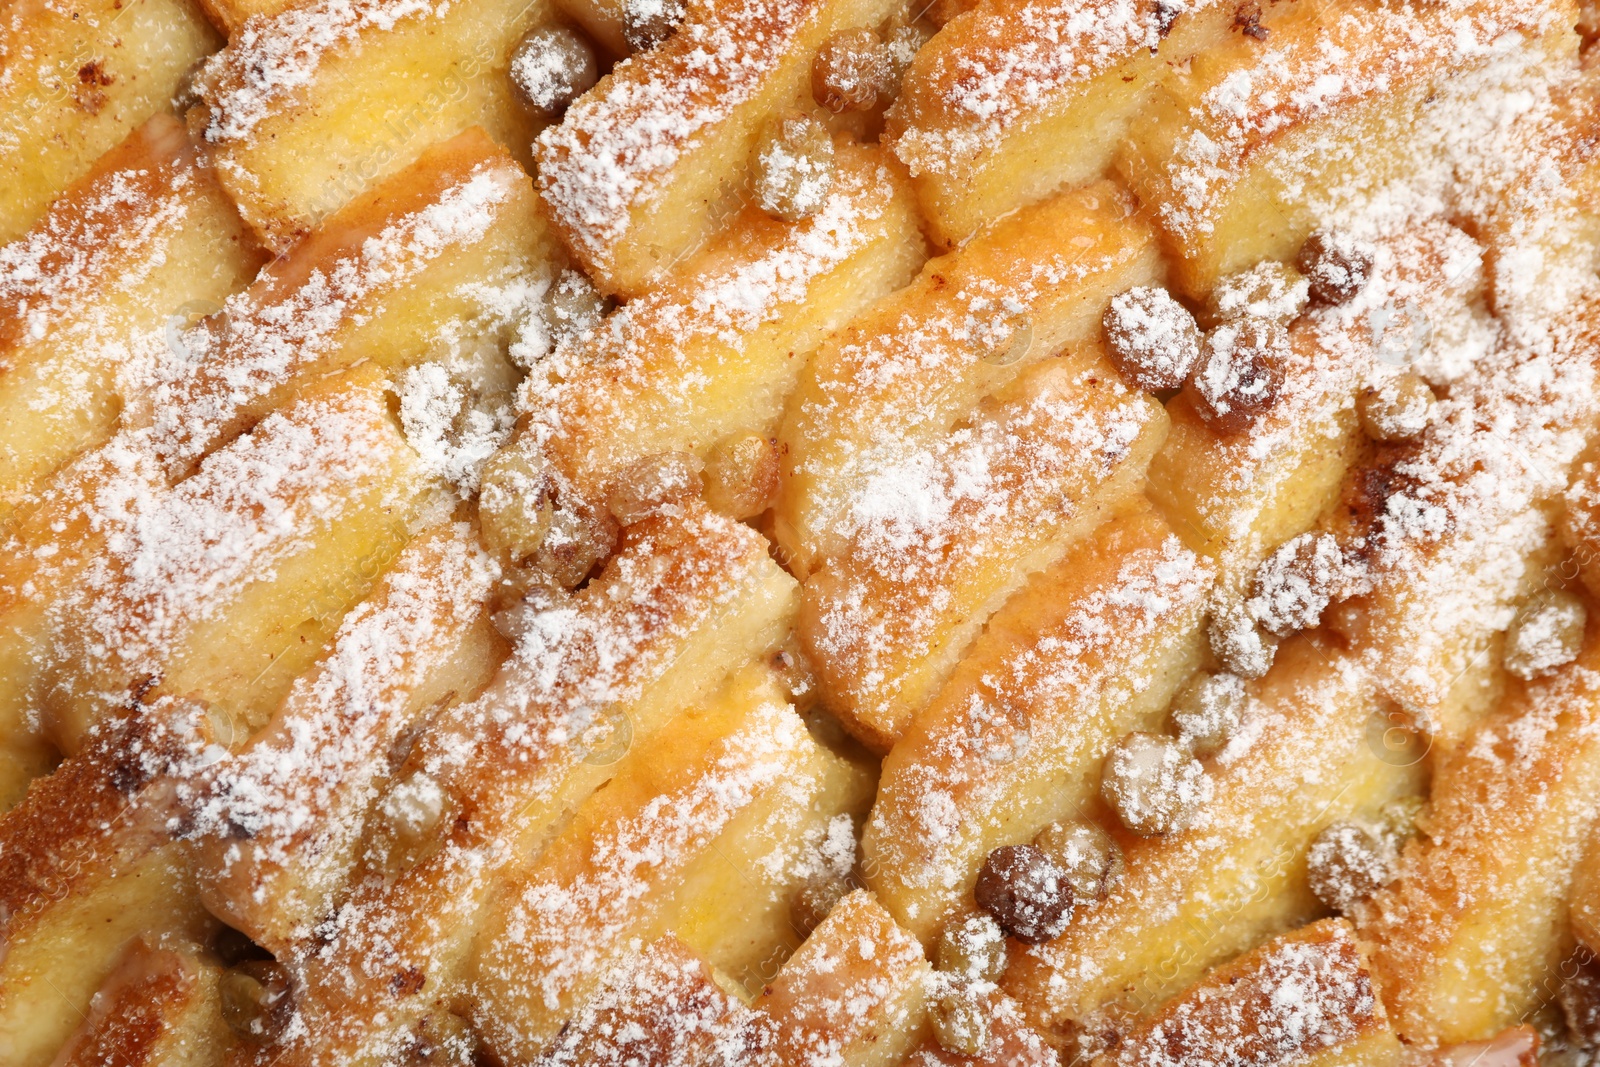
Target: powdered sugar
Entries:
(611, 158)
(273, 57)
(266, 338)
(1017, 66)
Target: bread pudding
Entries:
(799, 533)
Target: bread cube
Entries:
(1464, 939)
(86, 868)
(1304, 998)
(688, 599)
(853, 995)
(639, 172)
(262, 551)
(80, 77)
(1090, 649)
(276, 826)
(1012, 100)
(717, 347)
(1188, 900)
(947, 535)
(664, 1007)
(447, 251)
(1263, 141)
(313, 106)
(1235, 497)
(906, 372)
(646, 856)
(227, 587)
(93, 290)
(1459, 529)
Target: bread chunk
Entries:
(1087, 651)
(1243, 164)
(277, 826)
(1464, 938)
(312, 106)
(1192, 899)
(159, 1007)
(688, 600)
(716, 349)
(80, 77)
(1011, 101)
(914, 367)
(1242, 1011)
(87, 867)
(699, 799)
(854, 994)
(122, 261)
(945, 538)
(640, 171)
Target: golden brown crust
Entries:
(159, 1007)
(97, 813)
(635, 173)
(372, 282)
(1189, 900)
(1091, 649)
(1244, 1011)
(665, 1010)
(79, 77)
(854, 992)
(1475, 918)
(887, 618)
(906, 372)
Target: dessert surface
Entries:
(799, 533)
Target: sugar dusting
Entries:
(1446, 534)
(259, 345)
(272, 58)
(606, 161)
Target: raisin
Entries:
(1396, 410)
(653, 483)
(1546, 635)
(1240, 374)
(1092, 860)
(972, 947)
(960, 1024)
(851, 71)
(1208, 711)
(1336, 265)
(551, 67)
(794, 168)
(1026, 892)
(1269, 290)
(1347, 863)
(1154, 341)
(1153, 784)
(1294, 586)
(647, 23)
